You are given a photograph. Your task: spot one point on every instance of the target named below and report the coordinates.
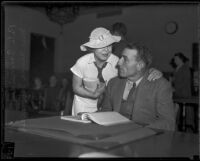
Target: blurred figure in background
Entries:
(119, 29)
(37, 95)
(181, 78)
(51, 95)
(181, 82)
(65, 97)
(9, 96)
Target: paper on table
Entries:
(106, 118)
(74, 118)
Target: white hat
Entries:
(99, 38)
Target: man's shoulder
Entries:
(115, 80)
(160, 82)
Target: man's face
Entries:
(128, 65)
(103, 54)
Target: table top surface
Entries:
(167, 144)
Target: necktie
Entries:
(130, 95)
(130, 101)
(100, 77)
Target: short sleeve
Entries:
(77, 69)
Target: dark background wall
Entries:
(145, 23)
(42, 57)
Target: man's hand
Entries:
(154, 74)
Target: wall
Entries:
(19, 23)
(144, 22)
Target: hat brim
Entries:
(92, 44)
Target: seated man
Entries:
(148, 103)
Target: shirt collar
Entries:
(137, 82)
(92, 59)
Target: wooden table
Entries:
(167, 144)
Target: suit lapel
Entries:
(119, 93)
(137, 94)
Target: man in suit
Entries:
(148, 103)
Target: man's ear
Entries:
(140, 65)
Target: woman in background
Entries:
(181, 81)
(182, 76)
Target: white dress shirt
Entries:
(129, 85)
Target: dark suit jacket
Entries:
(182, 82)
(153, 105)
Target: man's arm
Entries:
(165, 108)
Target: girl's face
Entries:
(104, 53)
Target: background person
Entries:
(119, 29)
(181, 76)
(51, 95)
(181, 81)
(65, 97)
(37, 95)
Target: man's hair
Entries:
(143, 53)
(120, 28)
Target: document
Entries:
(75, 118)
(101, 118)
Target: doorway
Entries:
(42, 57)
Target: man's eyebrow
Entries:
(124, 56)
